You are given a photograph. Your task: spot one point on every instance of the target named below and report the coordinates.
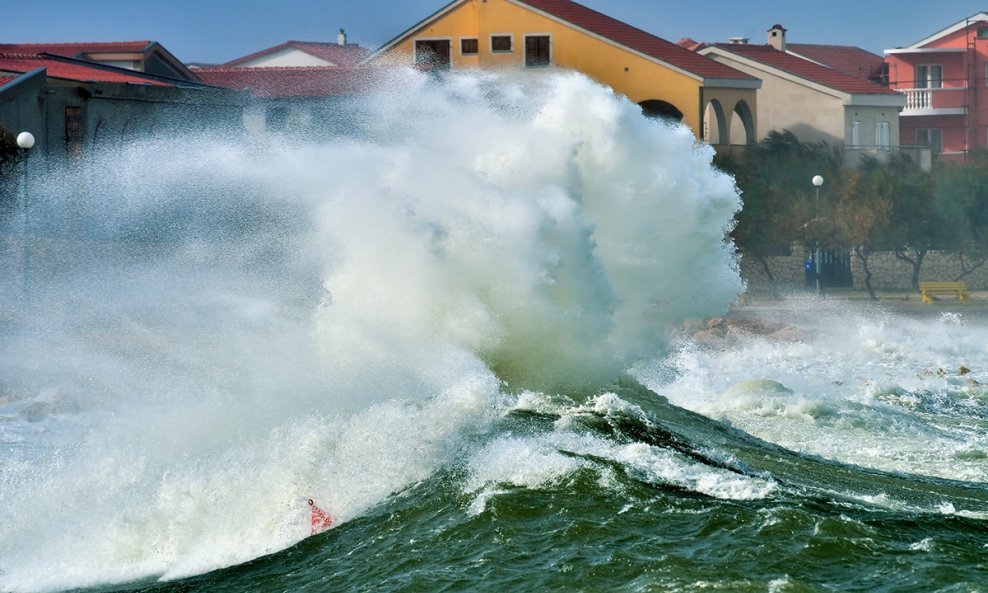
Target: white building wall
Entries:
(287, 57)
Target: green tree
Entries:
(921, 219)
(778, 202)
(962, 189)
(862, 213)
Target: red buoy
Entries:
(321, 520)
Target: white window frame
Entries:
(938, 148)
(926, 82)
(855, 134)
(883, 134)
(490, 43)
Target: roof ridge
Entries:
(23, 56)
(223, 68)
(76, 43)
(330, 43)
(768, 50)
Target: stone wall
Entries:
(788, 271)
(888, 272)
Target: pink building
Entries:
(945, 80)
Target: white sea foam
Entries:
(859, 386)
(256, 323)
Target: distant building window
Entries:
(73, 124)
(469, 47)
(880, 75)
(982, 32)
(501, 43)
(276, 118)
(74, 130)
(537, 51)
(433, 54)
(932, 137)
(883, 134)
(856, 133)
(929, 76)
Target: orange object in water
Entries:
(321, 520)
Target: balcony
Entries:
(945, 101)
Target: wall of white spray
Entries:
(256, 324)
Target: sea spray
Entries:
(555, 239)
(261, 322)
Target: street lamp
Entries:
(817, 182)
(25, 140)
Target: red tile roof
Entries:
(308, 81)
(806, 69)
(633, 38)
(850, 60)
(5, 79)
(72, 70)
(340, 55)
(73, 50)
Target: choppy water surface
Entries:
(473, 329)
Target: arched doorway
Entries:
(660, 109)
(743, 124)
(715, 130)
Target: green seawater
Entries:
(608, 526)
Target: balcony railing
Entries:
(945, 101)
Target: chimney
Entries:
(341, 37)
(737, 40)
(777, 37)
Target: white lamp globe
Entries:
(818, 180)
(25, 140)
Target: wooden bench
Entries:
(928, 290)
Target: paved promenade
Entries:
(905, 302)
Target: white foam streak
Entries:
(859, 386)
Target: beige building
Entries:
(813, 101)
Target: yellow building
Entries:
(667, 80)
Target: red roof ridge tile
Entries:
(807, 69)
(23, 56)
(222, 68)
(81, 44)
(74, 69)
(634, 38)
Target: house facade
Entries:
(295, 87)
(944, 78)
(665, 79)
(814, 101)
(72, 106)
(304, 54)
(149, 57)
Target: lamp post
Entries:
(817, 182)
(25, 140)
